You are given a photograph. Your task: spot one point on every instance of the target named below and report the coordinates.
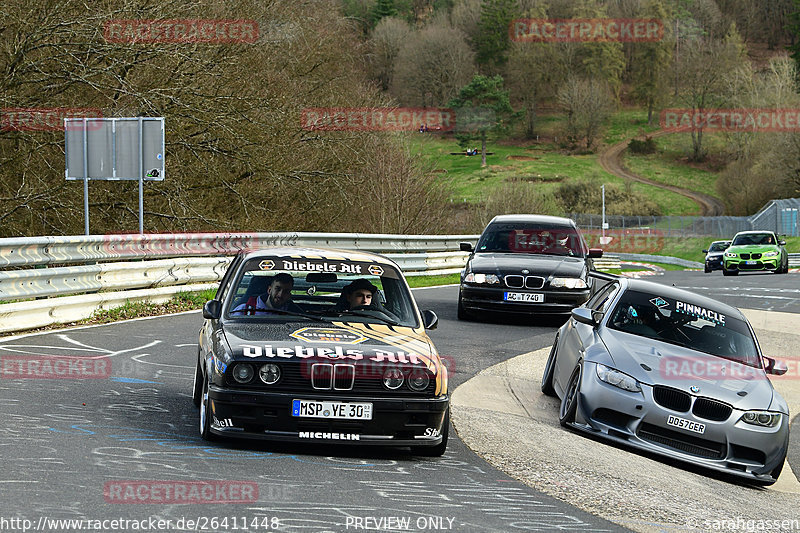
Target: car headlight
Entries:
(393, 378)
(568, 283)
(731, 254)
(418, 380)
(269, 373)
(767, 419)
(484, 279)
(616, 378)
(243, 373)
(771, 254)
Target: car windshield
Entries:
(320, 289)
(747, 239)
(718, 247)
(685, 324)
(532, 239)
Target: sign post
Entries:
(114, 149)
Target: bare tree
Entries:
(384, 44)
(704, 66)
(432, 66)
(587, 103)
(237, 156)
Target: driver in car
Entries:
(358, 293)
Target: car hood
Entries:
(741, 386)
(541, 265)
(754, 248)
(351, 342)
(714, 255)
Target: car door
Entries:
(576, 337)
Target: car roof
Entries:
(290, 252)
(682, 294)
(528, 218)
(756, 231)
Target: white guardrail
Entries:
(57, 280)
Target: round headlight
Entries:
(269, 373)
(393, 378)
(418, 380)
(750, 416)
(243, 373)
(764, 419)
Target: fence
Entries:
(780, 216)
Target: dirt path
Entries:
(611, 162)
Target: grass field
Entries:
(541, 163)
(665, 166)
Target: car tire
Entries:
(205, 414)
(463, 314)
(569, 404)
(197, 387)
(726, 272)
(707, 269)
(784, 268)
(547, 375)
(439, 449)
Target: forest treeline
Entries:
(238, 159)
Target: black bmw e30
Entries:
(526, 264)
(287, 353)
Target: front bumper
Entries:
(714, 263)
(765, 263)
(481, 298)
(268, 416)
(637, 420)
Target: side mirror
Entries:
(595, 253)
(705, 251)
(584, 316)
(782, 243)
(775, 367)
(212, 309)
(465, 246)
(429, 319)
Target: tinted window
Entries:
(317, 288)
(686, 324)
(550, 239)
(718, 247)
(753, 239)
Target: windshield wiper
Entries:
(385, 319)
(283, 312)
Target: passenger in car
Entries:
(278, 297)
